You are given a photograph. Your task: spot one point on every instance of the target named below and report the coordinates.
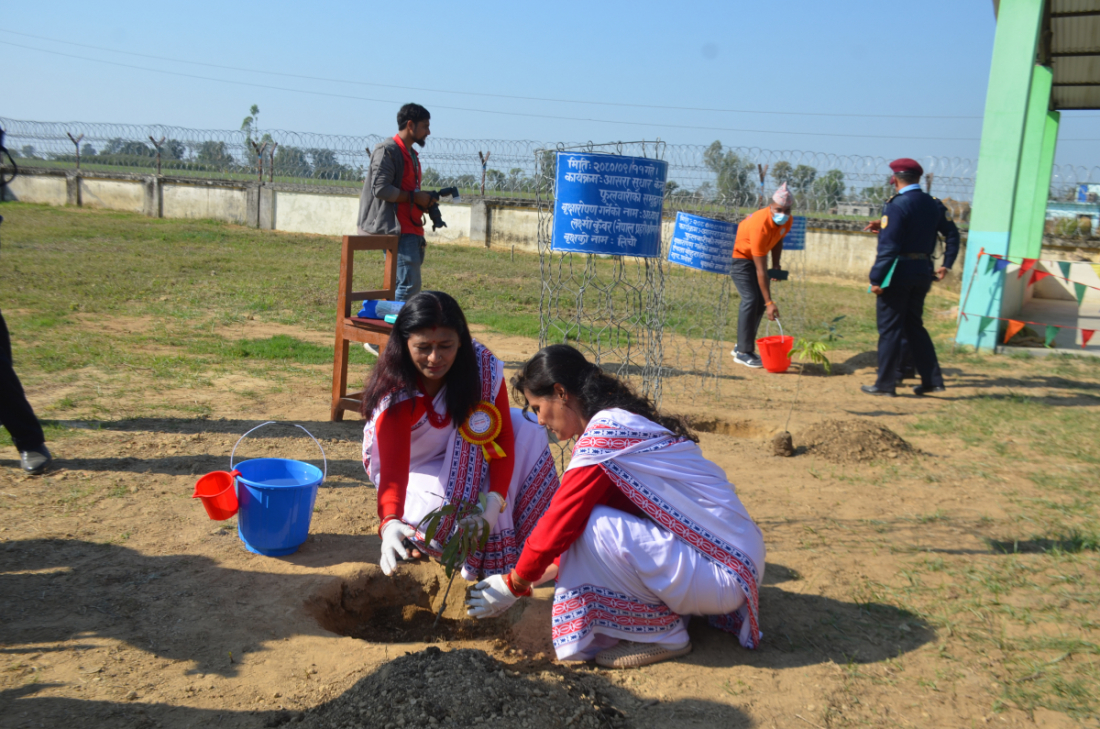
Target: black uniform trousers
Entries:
(15, 412)
(753, 306)
(901, 323)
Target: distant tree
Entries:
(828, 189)
(465, 182)
(173, 149)
(547, 171)
(292, 162)
(87, 151)
(671, 187)
(431, 179)
(216, 155)
(781, 172)
(495, 180)
(327, 167)
(876, 194)
(251, 122)
(29, 151)
(734, 174)
(799, 179)
(128, 148)
(802, 179)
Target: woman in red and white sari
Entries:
(647, 529)
(440, 431)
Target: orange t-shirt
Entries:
(758, 234)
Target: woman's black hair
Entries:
(395, 371)
(595, 390)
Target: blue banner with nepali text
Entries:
(702, 243)
(606, 203)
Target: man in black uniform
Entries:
(906, 239)
(16, 414)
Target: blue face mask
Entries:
(780, 218)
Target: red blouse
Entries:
(394, 433)
(582, 489)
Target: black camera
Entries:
(433, 210)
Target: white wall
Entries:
(112, 194)
(298, 212)
(828, 253)
(36, 189)
(195, 201)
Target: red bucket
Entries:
(217, 494)
(775, 351)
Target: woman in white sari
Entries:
(440, 431)
(648, 530)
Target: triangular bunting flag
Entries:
(991, 264)
(1013, 327)
(984, 324)
(1052, 332)
(1086, 335)
(1026, 266)
(1079, 289)
(1064, 265)
(1037, 276)
(1002, 264)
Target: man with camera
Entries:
(392, 202)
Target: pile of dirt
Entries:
(854, 441)
(463, 688)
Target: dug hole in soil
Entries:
(403, 608)
(854, 441)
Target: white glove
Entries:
(392, 549)
(490, 598)
(494, 504)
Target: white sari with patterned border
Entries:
(445, 468)
(632, 578)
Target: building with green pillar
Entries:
(1046, 58)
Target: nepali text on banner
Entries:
(605, 203)
(702, 243)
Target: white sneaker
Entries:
(370, 349)
(749, 360)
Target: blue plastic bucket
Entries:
(276, 497)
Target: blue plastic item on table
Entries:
(379, 309)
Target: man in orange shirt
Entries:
(757, 234)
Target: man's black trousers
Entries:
(15, 412)
(901, 322)
(752, 303)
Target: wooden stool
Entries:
(353, 329)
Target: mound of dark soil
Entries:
(465, 688)
(853, 441)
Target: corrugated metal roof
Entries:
(1074, 53)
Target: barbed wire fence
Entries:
(713, 180)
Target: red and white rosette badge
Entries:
(482, 428)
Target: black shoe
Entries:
(873, 390)
(36, 460)
(922, 390)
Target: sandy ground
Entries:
(123, 605)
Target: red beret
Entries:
(906, 165)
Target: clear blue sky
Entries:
(806, 58)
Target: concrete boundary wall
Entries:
(333, 211)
